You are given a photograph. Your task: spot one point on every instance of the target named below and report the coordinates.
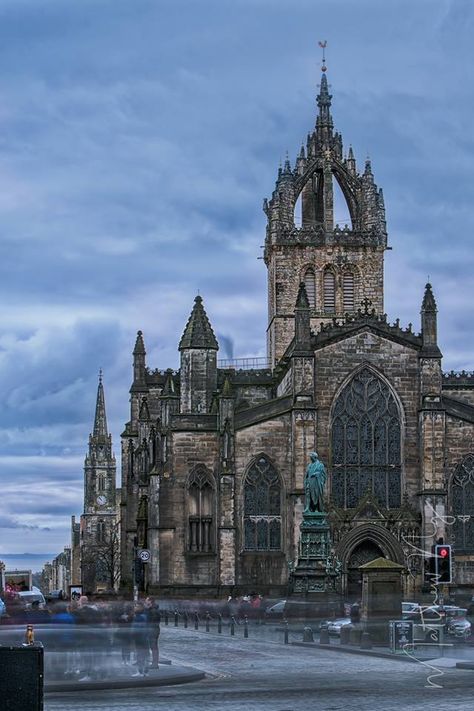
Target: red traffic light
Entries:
(443, 552)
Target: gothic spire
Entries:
(323, 100)
(100, 420)
(198, 332)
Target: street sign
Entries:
(401, 635)
(144, 555)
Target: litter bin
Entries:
(21, 678)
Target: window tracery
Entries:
(366, 443)
(200, 505)
(462, 505)
(262, 507)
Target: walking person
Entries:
(140, 639)
(152, 611)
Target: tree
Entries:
(100, 558)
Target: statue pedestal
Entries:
(317, 570)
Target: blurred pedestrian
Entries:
(152, 611)
(140, 639)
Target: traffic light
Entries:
(443, 563)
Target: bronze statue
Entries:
(314, 482)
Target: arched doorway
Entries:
(362, 553)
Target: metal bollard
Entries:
(308, 635)
(287, 633)
(176, 618)
(166, 617)
(185, 618)
(324, 636)
(232, 626)
(246, 627)
(196, 621)
(365, 641)
(219, 623)
(208, 619)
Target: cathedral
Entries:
(214, 454)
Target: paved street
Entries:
(248, 674)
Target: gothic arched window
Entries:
(200, 507)
(462, 505)
(366, 443)
(329, 289)
(310, 284)
(101, 532)
(348, 291)
(262, 507)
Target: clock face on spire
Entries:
(101, 500)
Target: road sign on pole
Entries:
(144, 555)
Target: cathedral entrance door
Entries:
(363, 553)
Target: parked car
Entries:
(410, 608)
(334, 626)
(3, 609)
(457, 624)
(56, 595)
(275, 611)
(29, 596)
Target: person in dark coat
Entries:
(152, 611)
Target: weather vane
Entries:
(323, 45)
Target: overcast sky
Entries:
(137, 141)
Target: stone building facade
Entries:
(214, 455)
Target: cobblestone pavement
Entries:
(249, 674)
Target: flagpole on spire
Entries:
(323, 44)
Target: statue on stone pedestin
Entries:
(314, 483)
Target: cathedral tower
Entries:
(340, 265)
(98, 522)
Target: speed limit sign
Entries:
(144, 555)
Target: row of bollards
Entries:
(208, 618)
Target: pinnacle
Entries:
(429, 303)
(139, 345)
(198, 332)
(302, 301)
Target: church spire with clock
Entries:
(98, 521)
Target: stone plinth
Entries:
(381, 597)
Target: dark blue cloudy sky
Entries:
(137, 140)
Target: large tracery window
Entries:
(366, 443)
(462, 505)
(262, 507)
(201, 505)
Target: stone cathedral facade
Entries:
(214, 454)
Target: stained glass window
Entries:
(462, 505)
(200, 505)
(366, 443)
(262, 507)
